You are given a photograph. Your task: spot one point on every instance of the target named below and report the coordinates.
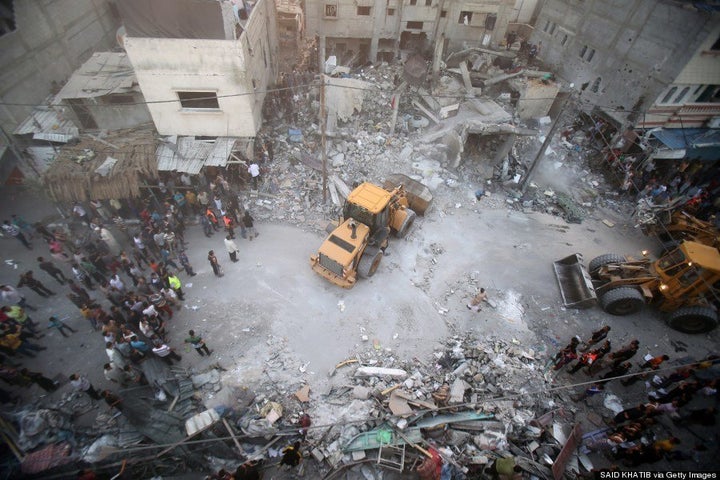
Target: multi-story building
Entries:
(375, 30)
(203, 67)
(42, 43)
(633, 58)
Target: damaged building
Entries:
(632, 56)
(203, 67)
(357, 32)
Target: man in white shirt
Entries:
(254, 171)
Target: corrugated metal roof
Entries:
(46, 124)
(698, 143)
(104, 73)
(189, 155)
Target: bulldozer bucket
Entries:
(418, 195)
(575, 283)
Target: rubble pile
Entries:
(434, 151)
(473, 401)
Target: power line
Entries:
(373, 89)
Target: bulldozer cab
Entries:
(367, 204)
(688, 272)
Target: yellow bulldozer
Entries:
(355, 247)
(683, 284)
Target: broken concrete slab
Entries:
(396, 373)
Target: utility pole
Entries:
(541, 153)
(323, 140)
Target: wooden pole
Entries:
(323, 139)
(546, 143)
(234, 438)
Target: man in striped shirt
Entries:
(14, 231)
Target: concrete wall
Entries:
(238, 72)
(112, 116)
(52, 39)
(629, 49)
(378, 25)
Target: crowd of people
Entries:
(633, 435)
(127, 289)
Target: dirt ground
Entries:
(271, 306)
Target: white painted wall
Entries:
(165, 66)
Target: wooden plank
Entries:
(466, 78)
(234, 438)
(427, 112)
(341, 186)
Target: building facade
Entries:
(621, 55)
(203, 67)
(376, 30)
(42, 43)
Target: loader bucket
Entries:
(418, 195)
(575, 283)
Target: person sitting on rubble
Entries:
(250, 470)
(474, 304)
(291, 455)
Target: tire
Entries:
(693, 319)
(407, 223)
(598, 262)
(369, 262)
(622, 301)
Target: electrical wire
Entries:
(373, 89)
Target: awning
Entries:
(105, 73)
(44, 123)
(697, 143)
(190, 155)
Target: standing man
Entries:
(249, 225)
(166, 354)
(231, 248)
(27, 280)
(14, 231)
(55, 322)
(50, 268)
(82, 384)
(198, 344)
(10, 295)
(176, 285)
(254, 171)
(80, 212)
(217, 270)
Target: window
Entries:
(331, 11)
(709, 95)
(7, 17)
(669, 95)
(413, 2)
(198, 100)
(443, 13)
(550, 27)
(547, 26)
(364, 11)
(490, 21)
(390, 12)
(716, 45)
(465, 18)
(589, 51)
(564, 40)
(681, 95)
(119, 99)
(428, 3)
(414, 25)
(595, 86)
